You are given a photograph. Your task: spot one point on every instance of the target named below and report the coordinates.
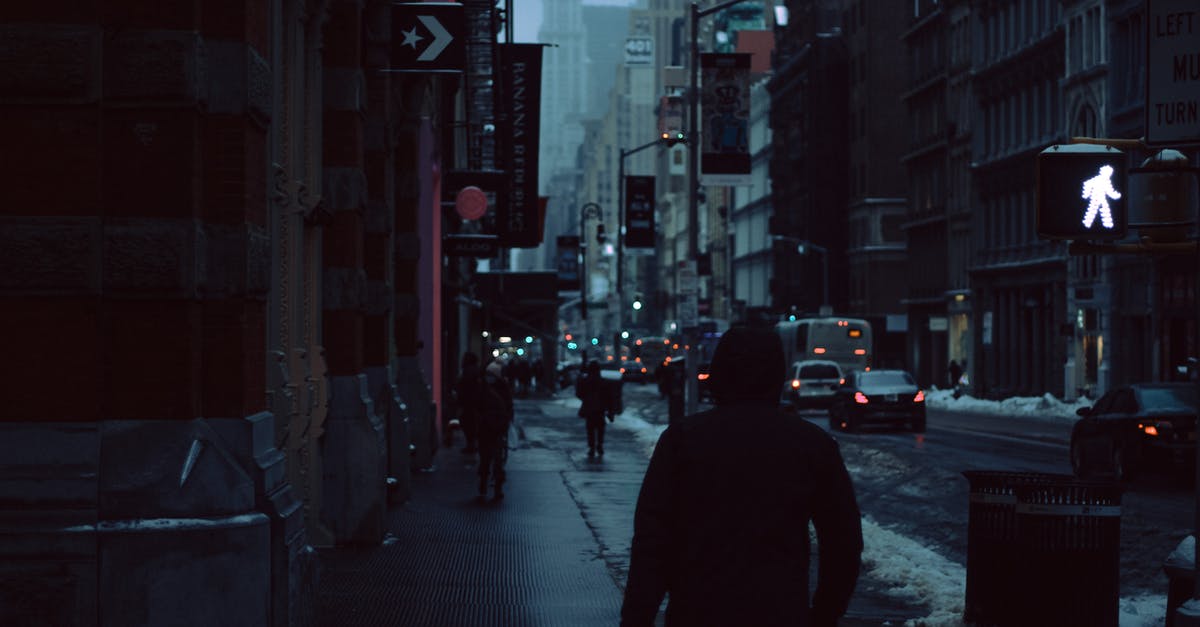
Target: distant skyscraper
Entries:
(564, 85)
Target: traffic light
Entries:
(637, 302)
(1081, 193)
(670, 138)
(600, 235)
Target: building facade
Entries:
(1019, 282)
(221, 311)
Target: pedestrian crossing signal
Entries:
(1081, 193)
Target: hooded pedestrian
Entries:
(469, 390)
(596, 406)
(495, 416)
(722, 519)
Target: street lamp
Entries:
(592, 210)
(694, 143)
(803, 247)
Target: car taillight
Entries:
(643, 370)
(920, 397)
(820, 350)
(841, 382)
(860, 398)
(1160, 428)
(622, 371)
(795, 384)
(702, 376)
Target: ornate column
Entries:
(354, 449)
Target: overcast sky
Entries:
(528, 15)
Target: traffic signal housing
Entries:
(671, 138)
(1081, 193)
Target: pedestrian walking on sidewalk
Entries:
(495, 416)
(596, 406)
(469, 390)
(721, 525)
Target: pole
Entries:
(691, 387)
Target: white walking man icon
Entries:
(1098, 190)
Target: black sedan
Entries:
(1133, 427)
(877, 396)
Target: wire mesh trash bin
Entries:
(993, 562)
(1070, 535)
(1040, 547)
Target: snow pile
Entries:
(1045, 406)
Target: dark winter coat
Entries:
(722, 518)
(595, 398)
(496, 408)
(469, 390)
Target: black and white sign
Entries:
(1172, 72)
(639, 212)
(428, 37)
(519, 219)
(639, 51)
(466, 245)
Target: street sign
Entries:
(639, 51)
(1172, 72)
(1081, 193)
(688, 283)
(457, 245)
(639, 212)
(428, 37)
(689, 311)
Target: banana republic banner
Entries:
(725, 115)
(518, 221)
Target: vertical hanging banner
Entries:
(567, 255)
(518, 221)
(639, 212)
(725, 118)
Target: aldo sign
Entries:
(1081, 193)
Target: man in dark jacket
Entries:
(722, 518)
(495, 416)
(469, 390)
(596, 404)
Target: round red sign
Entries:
(471, 203)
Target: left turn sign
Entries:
(428, 37)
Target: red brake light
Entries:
(842, 381)
(702, 376)
(1150, 430)
(622, 371)
(819, 350)
(860, 398)
(860, 351)
(795, 384)
(920, 397)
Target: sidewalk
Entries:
(536, 558)
(450, 560)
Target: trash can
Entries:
(1069, 534)
(1041, 549)
(993, 564)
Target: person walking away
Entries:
(955, 371)
(524, 373)
(596, 406)
(722, 519)
(495, 416)
(469, 390)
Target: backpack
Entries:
(493, 409)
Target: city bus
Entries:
(845, 341)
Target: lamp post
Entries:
(621, 232)
(803, 246)
(594, 210)
(693, 138)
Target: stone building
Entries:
(938, 225)
(217, 288)
(809, 156)
(1018, 281)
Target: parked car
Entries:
(877, 396)
(812, 383)
(1134, 427)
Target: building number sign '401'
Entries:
(1081, 193)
